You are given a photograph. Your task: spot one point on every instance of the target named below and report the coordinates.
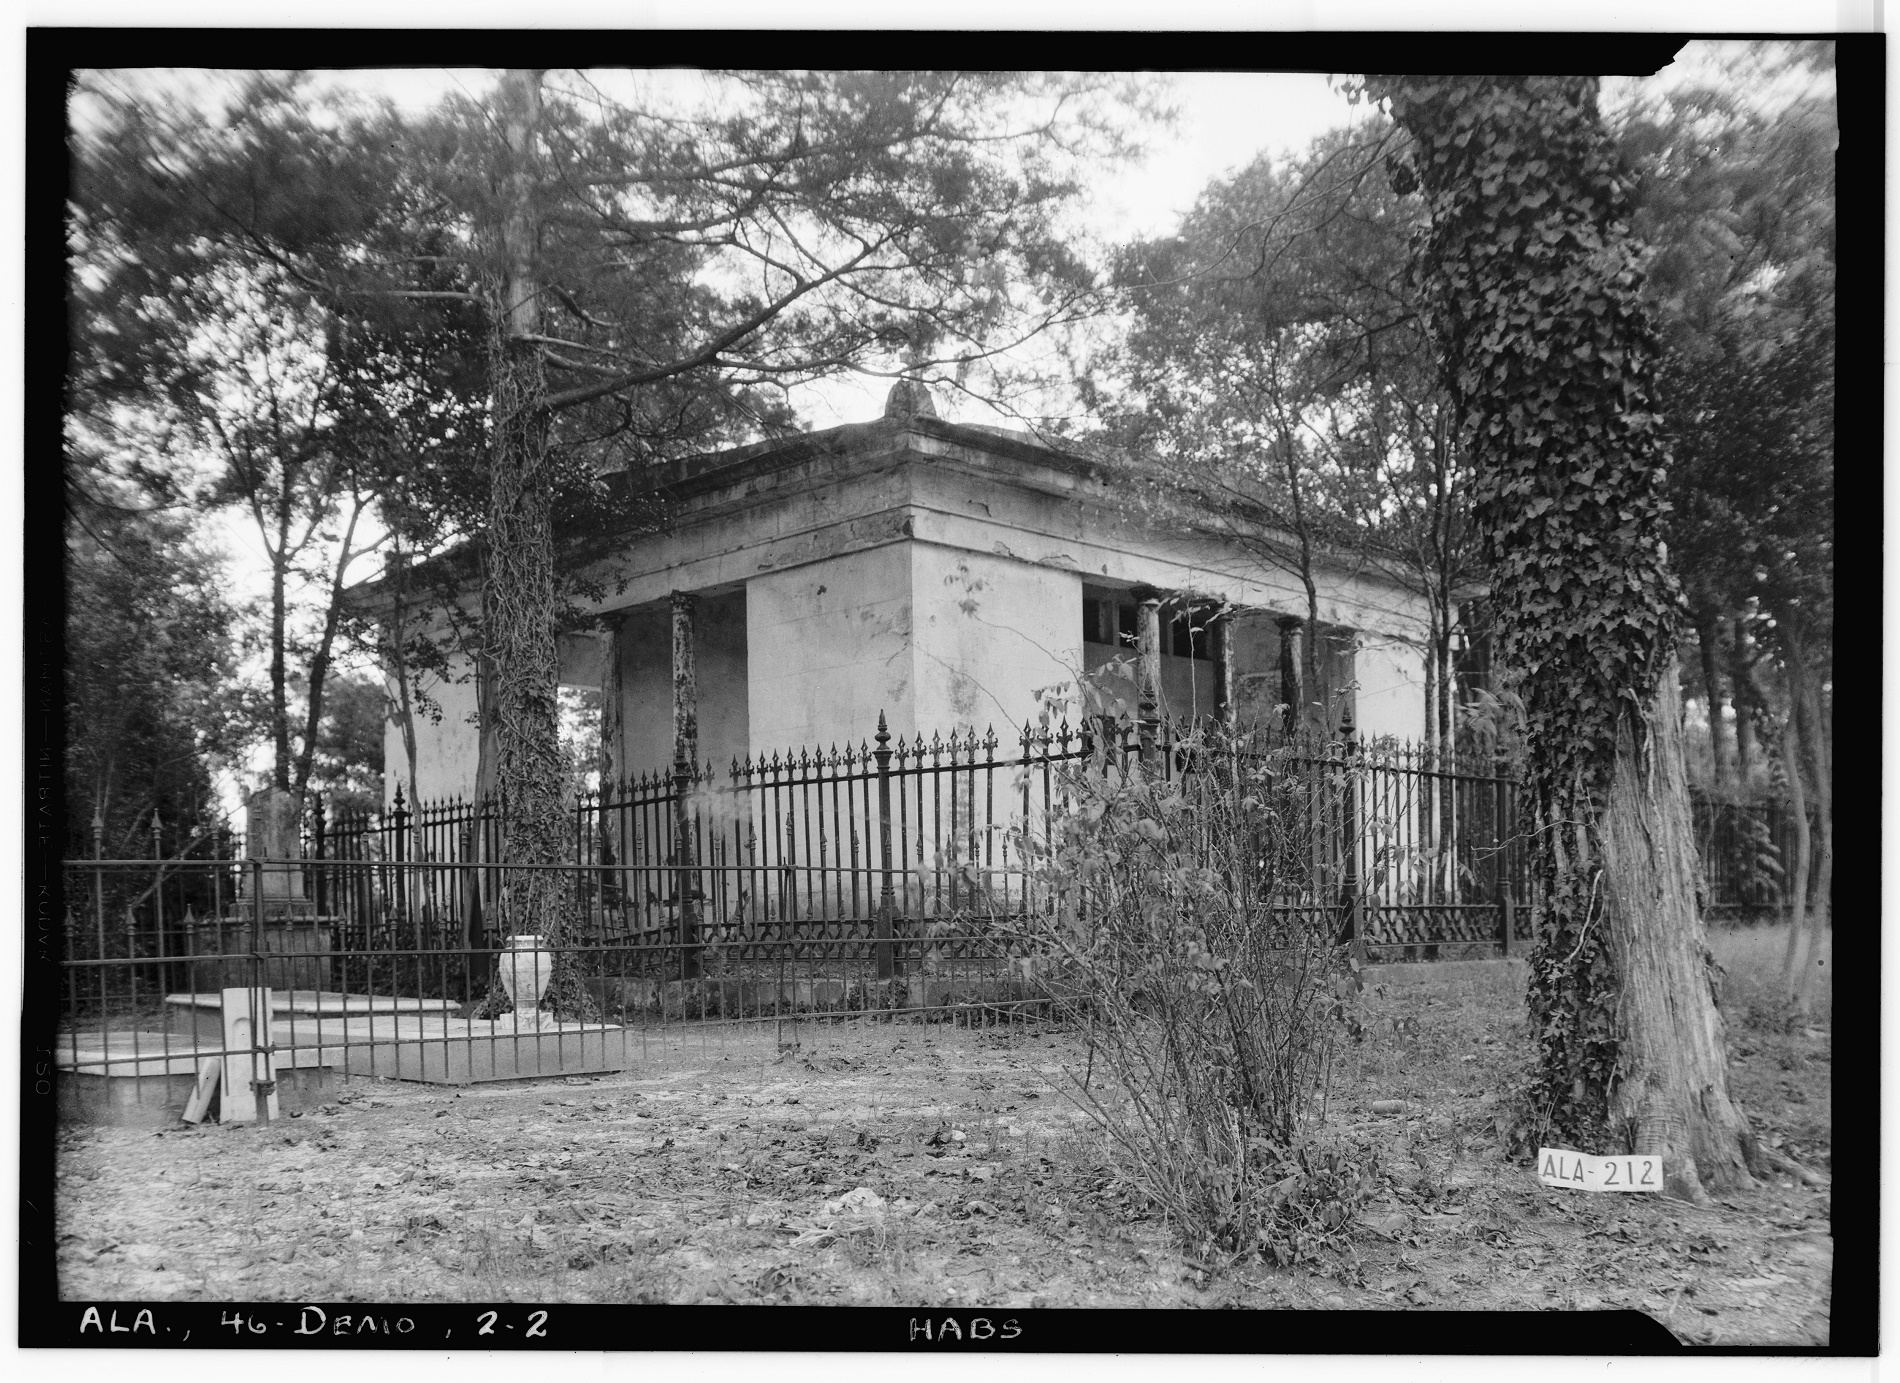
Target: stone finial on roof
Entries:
(909, 398)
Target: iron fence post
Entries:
(399, 815)
(99, 886)
(260, 1023)
(158, 887)
(887, 896)
(684, 871)
(1349, 843)
(470, 886)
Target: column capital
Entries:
(683, 600)
(1289, 624)
(1148, 595)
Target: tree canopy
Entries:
(1276, 363)
(152, 699)
(671, 252)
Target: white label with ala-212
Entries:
(1642, 1172)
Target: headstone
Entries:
(270, 833)
(248, 1058)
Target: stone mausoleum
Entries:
(943, 574)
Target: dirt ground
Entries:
(926, 1164)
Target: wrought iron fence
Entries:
(796, 847)
(269, 1000)
(803, 888)
(1746, 850)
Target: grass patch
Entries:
(1752, 991)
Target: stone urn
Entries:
(527, 966)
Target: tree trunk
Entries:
(487, 755)
(1670, 1095)
(1712, 694)
(1803, 847)
(520, 592)
(1805, 713)
(1821, 914)
(406, 714)
(520, 640)
(613, 767)
(1431, 810)
(1740, 684)
(1315, 710)
(1536, 298)
(279, 672)
(1794, 881)
(1447, 802)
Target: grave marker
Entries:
(248, 1060)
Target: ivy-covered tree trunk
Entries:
(1533, 287)
(520, 601)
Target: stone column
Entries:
(1148, 664)
(685, 681)
(1291, 692)
(1221, 634)
(685, 777)
(613, 748)
(612, 760)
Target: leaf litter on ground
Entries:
(853, 1186)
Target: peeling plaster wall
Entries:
(990, 632)
(830, 647)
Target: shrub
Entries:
(1185, 939)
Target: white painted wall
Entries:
(856, 569)
(446, 748)
(829, 646)
(990, 632)
(1391, 697)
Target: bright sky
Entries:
(1225, 120)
